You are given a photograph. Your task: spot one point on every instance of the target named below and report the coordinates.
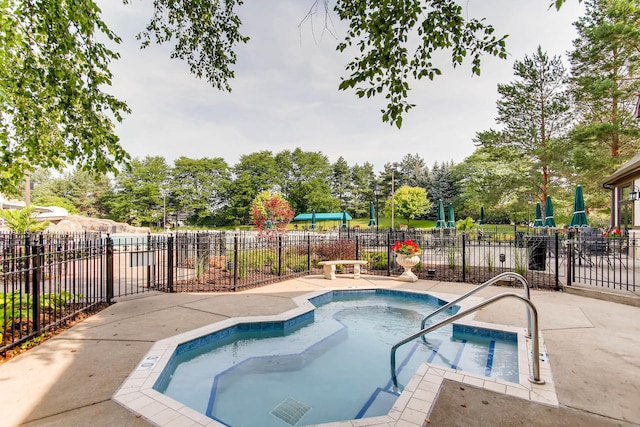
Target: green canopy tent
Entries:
(538, 221)
(372, 215)
(335, 218)
(548, 214)
(579, 218)
(440, 223)
(451, 223)
(481, 219)
(344, 219)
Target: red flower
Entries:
(408, 247)
(614, 231)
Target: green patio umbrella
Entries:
(344, 219)
(548, 213)
(452, 219)
(481, 219)
(538, 220)
(440, 223)
(313, 219)
(372, 215)
(579, 218)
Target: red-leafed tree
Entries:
(270, 212)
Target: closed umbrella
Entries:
(579, 218)
(269, 224)
(372, 215)
(481, 219)
(538, 220)
(548, 213)
(440, 216)
(313, 220)
(452, 219)
(344, 219)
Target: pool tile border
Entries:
(411, 409)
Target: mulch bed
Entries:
(23, 329)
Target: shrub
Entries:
(340, 249)
(452, 257)
(17, 306)
(521, 265)
(377, 260)
(298, 267)
(488, 258)
(466, 225)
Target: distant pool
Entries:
(328, 365)
(130, 239)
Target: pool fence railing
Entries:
(50, 279)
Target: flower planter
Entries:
(407, 262)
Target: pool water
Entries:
(332, 367)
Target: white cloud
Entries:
(285, 93)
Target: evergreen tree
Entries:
(605, 65)
(535, 110)
(363, 183)
(441, 186)
(341, 186)
(415, 171)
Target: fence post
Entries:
(570, 258)
(389, 253)
(279, 255)
(464, 258)
(109, 262)
(38, 257)
(27, 261)
(170, 262)
(557, 262)
(235, 263)
(308, 254)
(148, 261)
(357, 248)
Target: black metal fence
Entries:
(46, 280)
(468, 257)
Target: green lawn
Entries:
(385, 224)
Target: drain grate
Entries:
(290, 411)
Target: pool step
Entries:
(465, 351)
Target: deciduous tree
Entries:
(410, 202)
(54, 110)
(136, 197)
(397, 41)
(270, 212)
(254, 173)
(197, 187)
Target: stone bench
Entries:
(330, 267)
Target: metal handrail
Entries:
(491, 281)
(535, 378)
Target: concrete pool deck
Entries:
(593, 348)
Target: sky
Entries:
(285, 94)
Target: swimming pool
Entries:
(328, 364)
